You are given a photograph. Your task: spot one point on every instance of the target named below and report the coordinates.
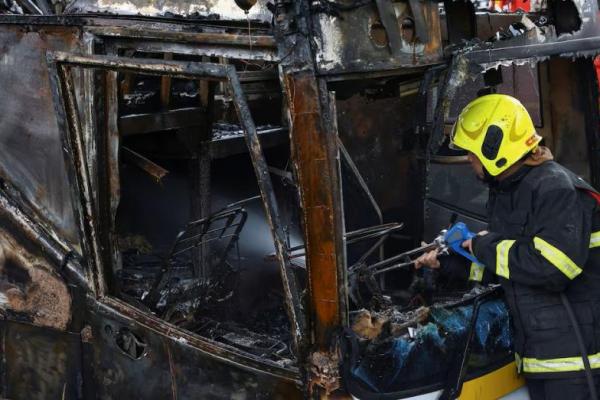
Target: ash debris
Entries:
(199, 305)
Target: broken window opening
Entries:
(153, 189)
(380, 177)
(233, 242)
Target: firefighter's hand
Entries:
(429, 259)
(468, 244)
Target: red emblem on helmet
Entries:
(531, 140)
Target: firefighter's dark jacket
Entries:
(544, 239)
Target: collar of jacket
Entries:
(511, 182)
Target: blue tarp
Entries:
(403, 363)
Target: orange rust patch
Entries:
(315, 169)
(42, 294)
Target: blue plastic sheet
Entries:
(404, 363)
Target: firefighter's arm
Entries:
(553, 255)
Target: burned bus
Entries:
(207, 200)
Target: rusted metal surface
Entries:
(314, 153)
(315, 169)
(31, 288)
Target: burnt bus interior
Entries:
(189, 235)
(191, 241)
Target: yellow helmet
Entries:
(497, 129)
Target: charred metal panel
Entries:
(453, 193)
(362, 40)
(201, 9)
(538, 43)
(39, 363)
(217, 380)
(30, 146)
(125, 360)
(40, 359)
(376, 125)
(239, 44)
(568, 114)
(35, 242)
(171, 365)
(464, 25)
(489, 24)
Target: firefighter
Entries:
(542, 246)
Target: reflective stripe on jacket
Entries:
(545, 239)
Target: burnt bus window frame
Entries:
(61, 65)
